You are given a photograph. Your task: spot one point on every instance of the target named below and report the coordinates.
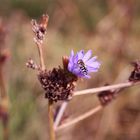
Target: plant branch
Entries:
(99, 107)
(39, 28)
(50, 103)
(105, 88)
(80, 118)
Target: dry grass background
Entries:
(111, 29)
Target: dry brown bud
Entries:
(135, 74)
(105, 97)
(40, 28)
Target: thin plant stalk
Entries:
(80, 118)
(104, 88)
(51, 121)
(50, 103)
(96, 109)
(40, 51)
(90, 91)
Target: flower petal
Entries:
(95, 64)
(80, 54)
(71, 59)
(70, 66)
(76, 71)
(71, 56)
(91, 69)
(87, 55)
(91, 60)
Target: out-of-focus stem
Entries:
(4, 103)
(51, 121)
(2, 85)
(5, 131)
(105, 88)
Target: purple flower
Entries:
(81, 64)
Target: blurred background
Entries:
(111, 28)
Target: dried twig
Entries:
(91, 91)
(96, 109)
(105, 88)
(80, 118)
(60, 114)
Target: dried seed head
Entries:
(58, 84)
(135, 74)
(40, 28)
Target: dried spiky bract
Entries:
(58, 84)
(40, 28)
(65, 61)
(135, 74)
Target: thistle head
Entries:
(58, 83)
(82, 64)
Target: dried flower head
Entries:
(58, 83)
(40, 28)
(81, 64)
(135, 74)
